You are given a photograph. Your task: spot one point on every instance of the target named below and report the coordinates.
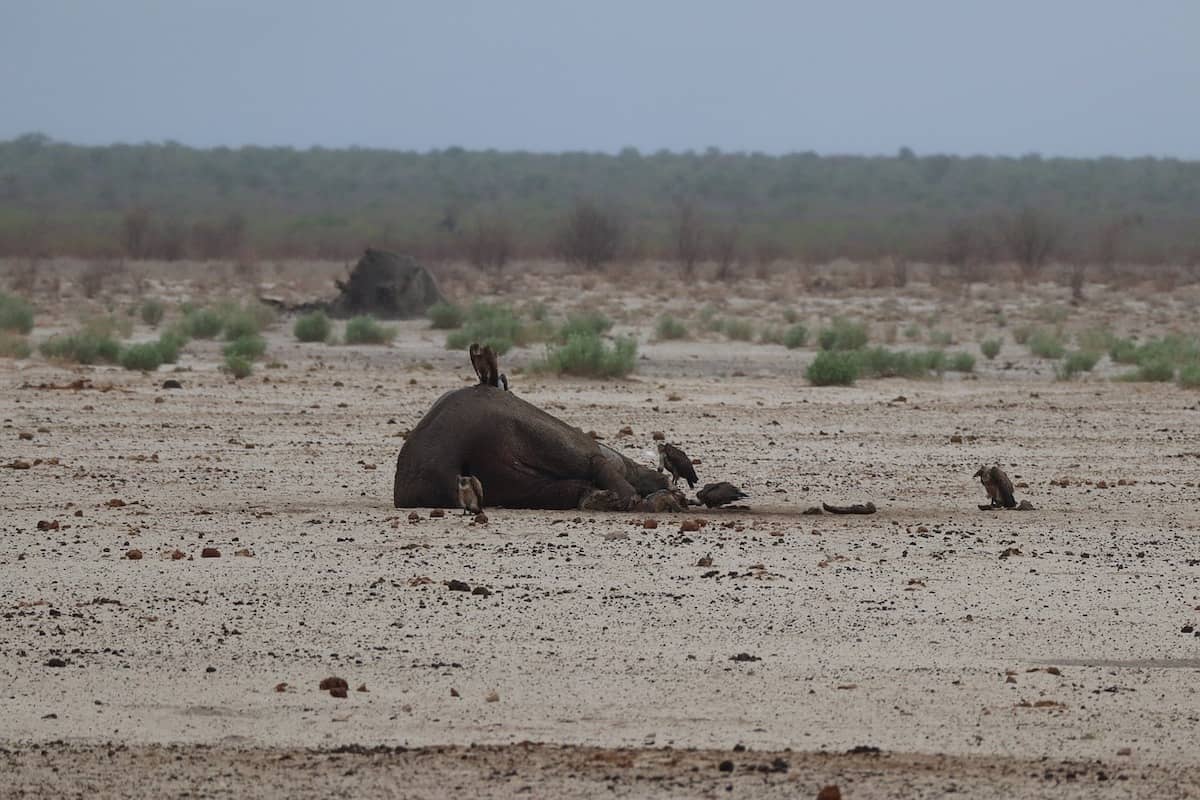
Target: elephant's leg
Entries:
(429, 486)
(607, 475)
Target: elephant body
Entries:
(523, 457)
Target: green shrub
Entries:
(239, 323)
(152, 311)
(960, 362)
(442, 316)
(1155, 372)
(1095, 340)
(795, 336)
(146, 356)
(843, 334)
(669, 328)
(203, 323)
(912, 331)
(366, 330)
(879, 362)
(107, 326)
(1052, 313)
(940, 338)
(1189, 376)
(313, 327)
(248, 347)
(1076, 362)
(169, 344)
(833, 368)
(495, 325)
(238, 367)
(590, 322)
(13, 345)
(1045, 343)
(1021, 334)
(709, 320)
(16, 316)
(81, 347)
(587, 355)
(1123, 351)
(790, 316)
(772, 334)
(738, 329)
(1170, 349)
(990, 348)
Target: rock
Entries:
(658, 436)
(339, 692)
(245, 552)
(481, 519)
(689, 526)
(458, 586)
(492, 697)
(453, 692)
(1025, 505)
(613, 536)
(1186, 629)
(650, 524)
(134, 554)
(177, 555)
(414, 516)
(25, 436)
(47, 525)
(812, 511)
(437, 513)
(482, 591)
(210, 552)
(281, 687)
(744, 657)
(956, 439)
(57, 663)
(361, 688)
(18, 464)
(333, 682)
(725, 766)
(705, 561)
(1125, 751)
(116, 502)
(171, 383)
(626, 431)
(830, 792)
(210, 670)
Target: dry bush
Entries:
(688, 239)
(247, 273)
(97, 275)
(1031, 238)
(590, 235)
(899, 271)
(725, 240)
(22, 276)
(490, 243)
(136, 231)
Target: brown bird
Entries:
(677, 463)
(493, 368)
(715, 495)
(470, 494)
(999, 487)
(478, 363)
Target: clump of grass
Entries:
(843, 334)
(1076, 362)
(1045, 343)
(739, 330)
(1123, 351)
(709, 320)
(592, 322)
(879, 362)
(1052, 313)
(81, 347)
(790, 316)
(1022, 333)
(145, 356)
(249, 347)
(586, 354)
(1189, 376)
(444, 316)
(1152, 372)
(833, 368)
(940, 338)
(495, 325)
(16, 315)
(238, 367)
(366, 330)
(202, 323)
(912, 331)
(795, 336)
(151, 311)
(313, 327)
(670, 328)
(108, 326)
(960, 361)
(13, 345)
(238, 323)
(1171, 349)
(772, 334)
(1095, 340)
(169, 344)
(990, 348)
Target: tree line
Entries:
(169, 201)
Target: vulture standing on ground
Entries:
(676, 462)
(715, 495)
(470, 494)
(999, 487)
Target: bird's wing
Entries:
(478, 487)
(493, 367)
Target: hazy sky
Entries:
(1060, 77)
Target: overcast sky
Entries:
(1059, 77)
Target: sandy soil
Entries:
(991, 654)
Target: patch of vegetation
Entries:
(592, 322)
(13, 345)
(843, 334)
(202, 323)
(366, 330)
(739, 330)
(990, 348)
(795, 336)
(108, 326)
(587, 355)
(313, 327)
(16, 315)
(1095, 340)
(1022, 333)
(879, 362)
(238, 367)
(1123, 351)
(249, 347)
(709, 320)
(790, 316)
(772, 334)
(669, 328)
(1052, 313)
(169, 344)
(81, 347)
(145, 356)
(1189, 376)
(1045, 343)
(1172, 349)
(443, 316)
(151, 311)
(940, 338)
(1076, 362)
(496, 325)
(237, 323)
(960, 361)
(833, 368)
(1152, 372)
(912, 331)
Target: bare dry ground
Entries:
(1025, 654)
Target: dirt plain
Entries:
(930, 649)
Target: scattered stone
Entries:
(171, 383)
(674, 398)
(245, 552)
(830, 792)
(437, 513)
(899, 399)
(210, 670)
(725, 766)
(705, 561)
(1101, 484)
(134, 554)
(57, 663)
(1187, 629)
(210, 552)
(492, 697)
(50, 716)
(47, 525)
(18, 464)
(1011, 551)
(333, 682)
(1125, 751)
(864, 750)
(458, 586)
(650, 524)
(420, 580)
(116, 502)
(25, 436)
(956, 439)
(689, 526)
(361, 688)
(453, 692)
(1025, 505)
(281, 687)
(339, 692)
(482, 591)
(744, 657)
(613, 536)
(626, 431)
(177, 555)
(481, 518)
(414, 516)
(812, 511)
(658, 436)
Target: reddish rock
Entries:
(334, 682)
(658, 436)
(650, 524)
(830, 792)
(134, 554)
(437, 512)
(47, 525)
(338, 692)
(210, 552)
(689, 525)
(245, 552)
(116, 502)
(281, 687)
(481, 519)
(414, 516)
(178, 555)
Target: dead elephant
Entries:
(523, 457)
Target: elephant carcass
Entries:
(524, 457)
